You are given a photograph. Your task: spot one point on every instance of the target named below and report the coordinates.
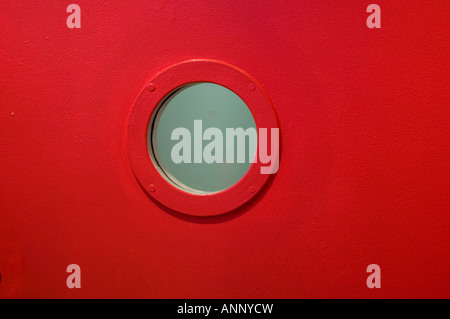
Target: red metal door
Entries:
(363, 177)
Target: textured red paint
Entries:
(364, 176)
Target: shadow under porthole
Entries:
(222, 218)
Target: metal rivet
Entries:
(151, 87)
(152, 188)
(252, 86)
(12, 114)
(252, 190)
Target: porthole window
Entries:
(202, 138)
(199, 138)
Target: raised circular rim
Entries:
(148, 175)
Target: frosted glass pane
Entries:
(216, 107)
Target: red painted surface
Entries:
(364, 176)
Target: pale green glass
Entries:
(217, 107)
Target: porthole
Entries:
(218, 96)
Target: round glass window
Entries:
(202, 138)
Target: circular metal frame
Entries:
(147, 171)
